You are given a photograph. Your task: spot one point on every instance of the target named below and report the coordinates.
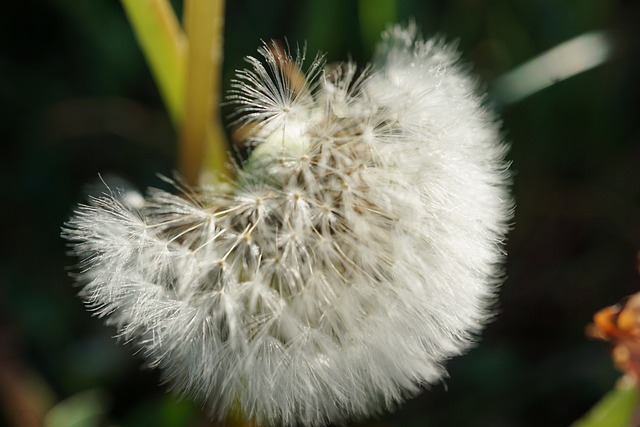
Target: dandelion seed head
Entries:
(358, 249)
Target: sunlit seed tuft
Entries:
(358, 250)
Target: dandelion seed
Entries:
(358, 250)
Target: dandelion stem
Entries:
(164, 46)
(202, 140)
(235, 419)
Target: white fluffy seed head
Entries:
(357, 251)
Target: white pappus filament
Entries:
(358, 249)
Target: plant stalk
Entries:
(164, 46)
(202, 140)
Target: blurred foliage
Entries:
(78, 101)
(616, 409)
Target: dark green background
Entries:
(77, 100)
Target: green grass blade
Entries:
(615, 409)
(164, 45)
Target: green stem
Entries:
(163, 44)
(202, 141)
